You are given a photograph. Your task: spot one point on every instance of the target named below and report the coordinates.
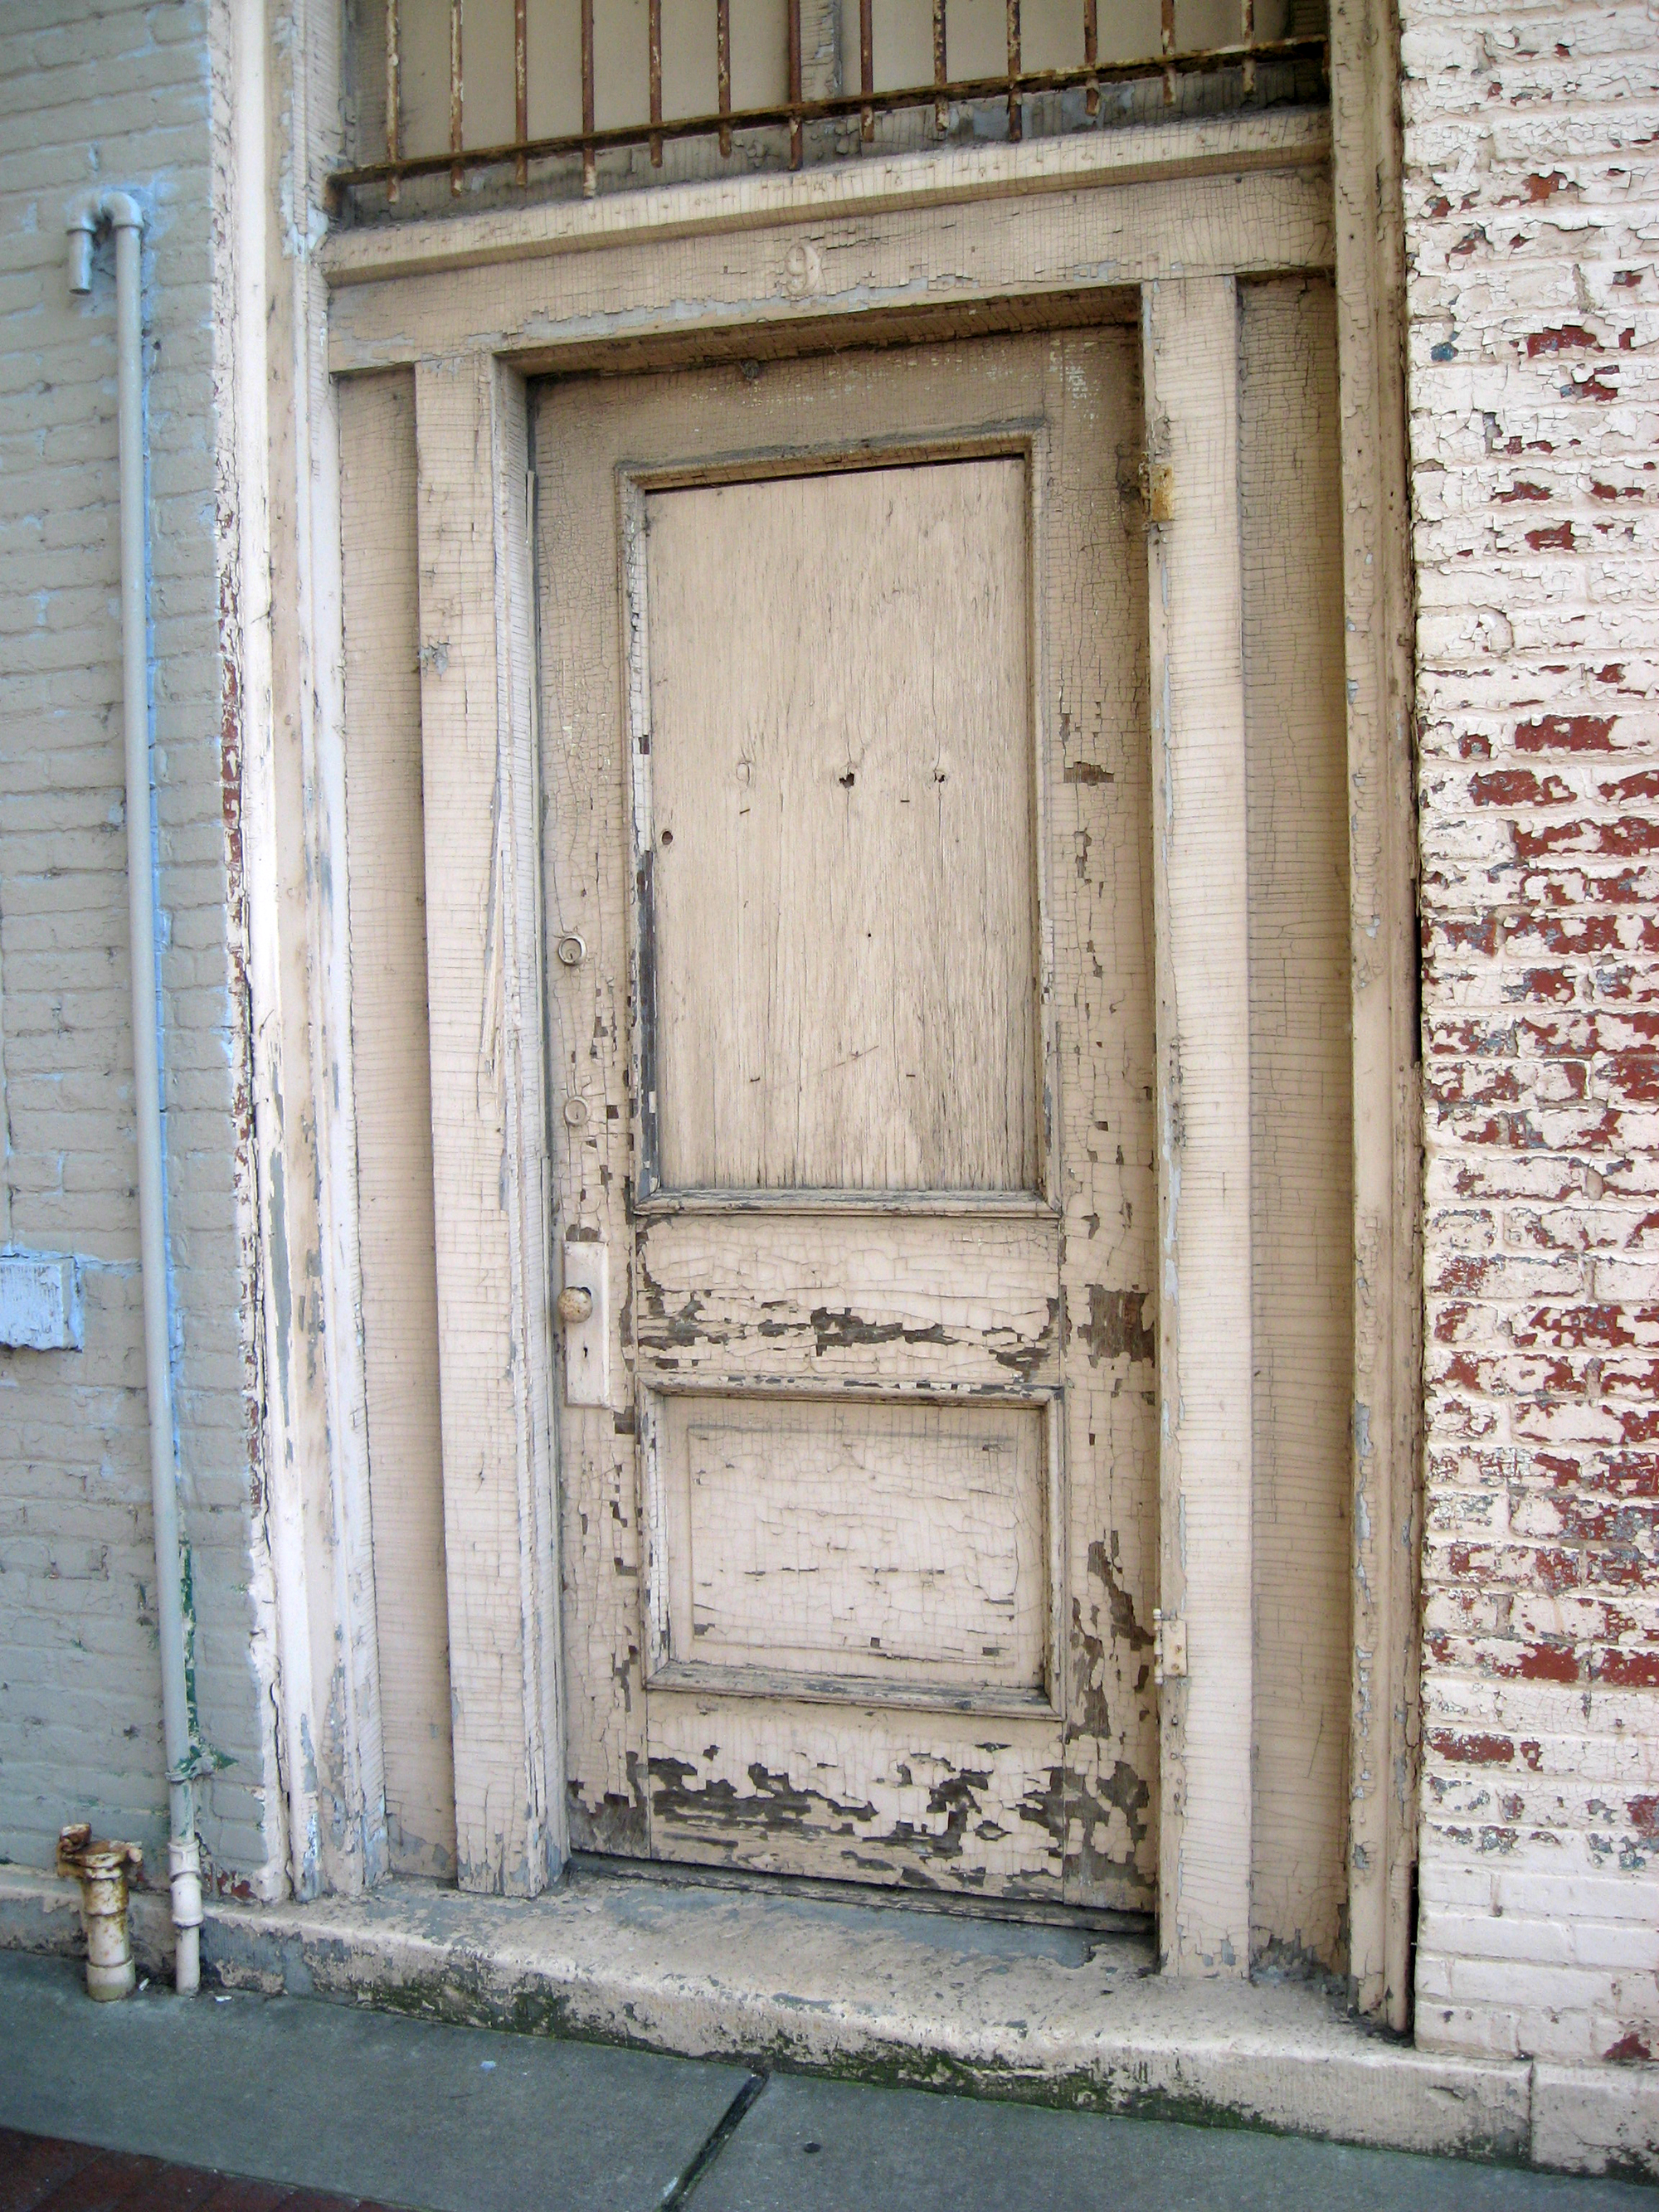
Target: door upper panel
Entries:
(844, 863)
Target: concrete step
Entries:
(879, 1991)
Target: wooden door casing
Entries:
(894, 1282)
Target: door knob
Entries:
(583, 1307)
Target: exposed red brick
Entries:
(1471, 1750)
(1566, 337)
(1642, 783)
(1572, 734)
(1630, 2047)
(1518, 786)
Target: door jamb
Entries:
(597, 295)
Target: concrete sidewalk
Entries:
(454, 2119)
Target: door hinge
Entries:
(1169, 1647)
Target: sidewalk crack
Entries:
(679, 2192)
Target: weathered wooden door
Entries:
(848, 850)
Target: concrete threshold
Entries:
(879, 1991)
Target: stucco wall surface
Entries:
(121, 94)
(1532, 218)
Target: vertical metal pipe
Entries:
(394, 68)
(146, 1066)
(1091, 53)
(590, 175)
(867, 65)
(456, 98)
(723, 67)
(1247, 32)
(1016, 121)
(941, 70)
(521, 87)
(124, 214)
(794, 85)
(653, 31)
(1167, 45)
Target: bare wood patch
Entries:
(1301, 1118)
(1205, 1377)
(842, 808)
(396, 1237)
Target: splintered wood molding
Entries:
(488, 1135)
(1388, 1108)
(1200, 877)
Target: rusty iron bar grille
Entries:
(1014, 85)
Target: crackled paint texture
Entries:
(1532, 210)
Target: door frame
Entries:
(988, 238)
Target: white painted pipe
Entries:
(121, 213)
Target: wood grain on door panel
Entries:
(841, 790)
(962, 1306)
(894, 1543)
(1025, 1293)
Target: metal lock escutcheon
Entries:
(583, 1306)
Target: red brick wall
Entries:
(1532, 219)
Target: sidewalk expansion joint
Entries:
(729, 2121)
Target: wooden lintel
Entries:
(1217, 145)
(770, 276)
(1190, 333)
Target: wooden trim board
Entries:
(1231, 145)
(489, 1144)
(1388, 1114)
(771, 278)
(1201, 936)
(393, 1099)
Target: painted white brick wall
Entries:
(1532, 221)
(120, 92)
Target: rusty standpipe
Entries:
(101, 1868)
